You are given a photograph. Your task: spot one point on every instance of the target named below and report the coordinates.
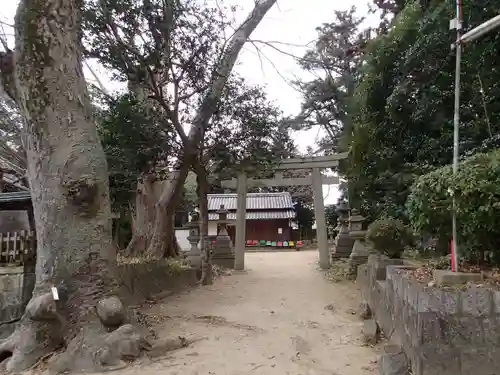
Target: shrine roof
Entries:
(257, 215)
(19, 200)
(255, 201)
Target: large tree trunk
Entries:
(163, 241)
(203, 188)
(143, 223)
(149, 191)
(68, 178)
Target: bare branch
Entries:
(223, 70)
(6, 24)
(261, 54)
(157, 91)
(3, 39)
(96, 77)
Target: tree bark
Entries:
(68, 177)
(163, 241)
(148, 193)
(143, 223)
(203, 188)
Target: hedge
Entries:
(476, 187)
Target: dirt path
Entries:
(280, 317)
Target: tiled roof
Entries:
(258, 215)
(18, 196)
(255, 201)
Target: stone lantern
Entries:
(223, 254)
(343, 242)
(355, 222)
(194, 253)
(360, 250)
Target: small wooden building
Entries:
(17, 228)
(268, 216)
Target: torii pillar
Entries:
(319, 214)
(241, 222)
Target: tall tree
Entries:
(174, 55)
(138, 150)
(135, 145)
(68, 178)
(335, 61)
(403, 107)
(331, 215)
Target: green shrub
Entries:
(476, 187)
(389, 236)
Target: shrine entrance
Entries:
(316, 179)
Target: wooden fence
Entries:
(17, 247)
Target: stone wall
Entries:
(12, 303)
(141, 281)
(441, 332)
(137, 283)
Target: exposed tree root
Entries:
(38, 334)
(94, 350)
(105, 341)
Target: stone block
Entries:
(477, 302)
(496, 302)
(446, 277)
(393, 362)
(405, 288)
(343, 246)
(380, 263)
(396, 271)
(362, 278)
(8, 314)
(479, 361)
(463, 331)
(430, 328)
(145, 280)
(414, 289)
(430, 299)
(225, 262)
(371, 332)
(450, 302)
(411, 329)
(491, 331)
(438, 360)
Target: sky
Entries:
(288, 22)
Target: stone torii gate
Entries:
(316, 179)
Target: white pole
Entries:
(456, 127)
(470, 36)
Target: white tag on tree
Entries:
(55, 293)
